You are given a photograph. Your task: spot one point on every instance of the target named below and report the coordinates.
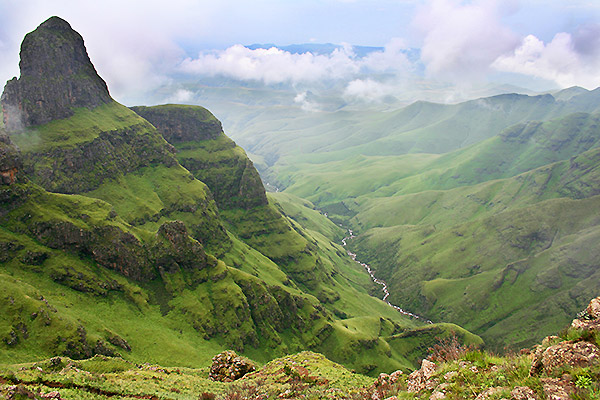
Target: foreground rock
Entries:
(421, 378)
(580, 354)
(590, 318)
(228, 367)
(553, 355)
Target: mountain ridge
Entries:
(120, 248)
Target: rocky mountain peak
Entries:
(57, 76)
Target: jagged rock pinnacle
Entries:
(56, 77)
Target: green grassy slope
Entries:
(67, 291)
(456, 371)
(366, 325)
(494, 257)
(515, 150)
(444, 229)
(203, 149)
(299, 245)
(283, 138)
(115, 268)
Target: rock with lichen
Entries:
(228, 367)
(421, 379)
(579, 354)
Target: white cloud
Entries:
(274, 65)
(562, 60)
(369, 90)
(305, 103)
(461, 40)
(181, 96)
(392, 59)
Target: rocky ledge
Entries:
(560, 368)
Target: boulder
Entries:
(228, 366)
(489, 393)
(421, 378)
(593, 309)
(557, 389)
(580, 354)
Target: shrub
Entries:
(448, 349)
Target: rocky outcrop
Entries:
(175, 251)
(179, 123)
(589, 319)
(210, 155)
(568, 354)
(553, 357)
(82, 168)
(523, 393)
(111, 247)
(228, 366)
(56, 77)
(421, 378)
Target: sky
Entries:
(139, 46)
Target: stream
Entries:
(383, 284)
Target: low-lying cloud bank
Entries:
(463, 43)
(273, 65)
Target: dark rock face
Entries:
(175, 250)
(85, 167)
(56, 76)
(221, 165)
(180, 123)
(228, 366)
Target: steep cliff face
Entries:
(211, 156)
(85, 142)
(56, 77)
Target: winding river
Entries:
(383, 284)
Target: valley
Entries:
(444, 228)
(138, 245)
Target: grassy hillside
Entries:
(494, 257)
(445, 229)
(515, 150)
(555, 368)
(143, 255)
(284, 137)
